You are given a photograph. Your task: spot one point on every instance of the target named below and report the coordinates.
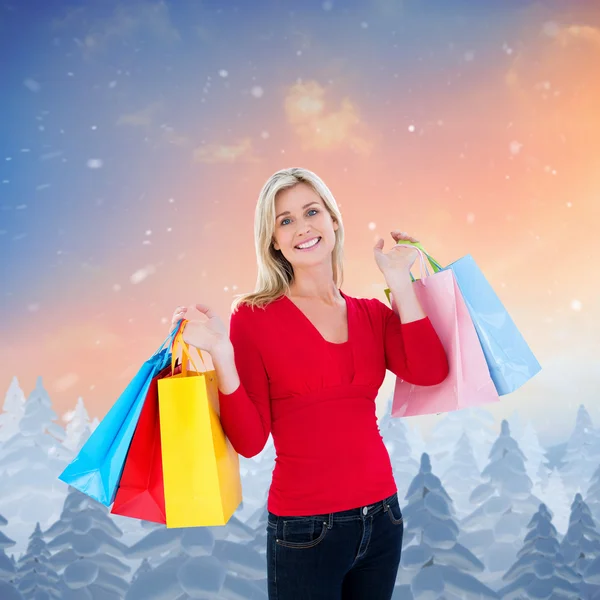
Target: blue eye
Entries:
(310, 212)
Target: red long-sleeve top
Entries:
(317, 399)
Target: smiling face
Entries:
(304, 230)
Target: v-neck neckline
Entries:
(316, 331)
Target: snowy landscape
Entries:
(489, 513)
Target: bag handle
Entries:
(423, 255)
(185, 351)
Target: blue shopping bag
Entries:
(510, 360)
(96, 470)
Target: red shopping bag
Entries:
(141, 491)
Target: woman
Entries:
(304, 361)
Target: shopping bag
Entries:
(509, 358)
(96, 470)
(141, 491)
(200, 467)
(468, 382)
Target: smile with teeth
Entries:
(310, 244)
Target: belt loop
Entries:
(330, 521)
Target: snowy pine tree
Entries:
(540, 571)
(462, 477)
(395, 434)
(202, 562)
(581, 455)
(476, 423)
(256, 474)
(39, 416)
(7, 566)
(536, 465)
(87, 551)
(37, 577)
(557, 501)
(434, 564)
(13, 410)
(593, 495)
(581, 544)
(78, 428)
(495, 529)
(30, 462)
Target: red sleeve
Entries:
(413, 351)
(246, 412)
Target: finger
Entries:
(179, 314)
(379, 245)
(205, 310)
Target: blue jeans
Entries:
(348, 555)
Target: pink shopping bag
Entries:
(469, 382)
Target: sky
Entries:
(136, 136)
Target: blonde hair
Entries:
(275, 273)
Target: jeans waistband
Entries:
(345, 515)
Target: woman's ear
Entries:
(275, 245)
(336, 225)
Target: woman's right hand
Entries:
(208, 335)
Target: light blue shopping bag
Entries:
(96, 470)
(510, 360)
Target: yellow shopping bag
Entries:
(200, 467)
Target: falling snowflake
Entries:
(33, 307)
(169, 229)
(264, 135)
(94, 127)
(364, 25)
(257, 91)
(171, 200)
(469, 56)
(372, 226)
(507, 48)
(32, 85)
(569, 204)
(223, 73)
(470, 218)
(116, 287)
(148, 231)
(515, 147)
(234, 287)
(112, 84)
(411, 128)
(576, 305)
(142, 274)
(94, 163)
(226, 289)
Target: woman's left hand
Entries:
(400, 258)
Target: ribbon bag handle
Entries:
(424, 258)
(178, 342)
(435, 266)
